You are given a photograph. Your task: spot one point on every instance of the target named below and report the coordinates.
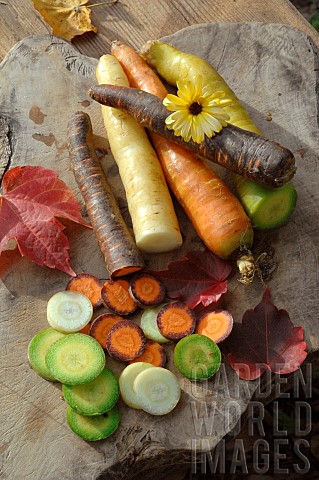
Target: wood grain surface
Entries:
(138, 21)
(272, 68)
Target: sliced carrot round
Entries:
(176, 320)
(115, 296)
(147, 289)
(215, 325)
(89, 285)
(154, 353)
(86, 329)
(125, 341)
(101, 326)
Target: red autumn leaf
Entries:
(265, 339)
(200, 277)
(32, 198)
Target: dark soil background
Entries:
(285, 452)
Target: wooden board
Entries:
(136, 22)
(43, 80)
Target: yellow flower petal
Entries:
(172, 102)
(213, 122)
(194, 123)
(197, 133)
(183, 92)
(186, 130)
(207, 127)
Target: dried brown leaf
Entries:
(67, 18)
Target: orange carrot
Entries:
(101, 326)
(147, 290)
(125, 341)
(154, 353)
(115, 296)
(115, 241)
(216, 214)
(89, 285)
(216, 325)
(175, 320)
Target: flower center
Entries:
(195, 108)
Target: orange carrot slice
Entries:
(215, 325)
(86, 329)
(125, 341)
(89, 285)
(146, 289)
(154, 353)
(176, 320)
(115, 296)
(101, 326)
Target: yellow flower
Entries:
(197, 112)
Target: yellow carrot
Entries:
(173, 65)
(154, 220)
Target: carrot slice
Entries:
(176, 320)
(89, 285)
(146, 289)
(215, 325)
(154, 353)
(115, 296)
(125, 341)
(86, 329)
(101, 326)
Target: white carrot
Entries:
(149, 202)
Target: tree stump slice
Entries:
(43, 80)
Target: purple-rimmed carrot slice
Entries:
(146, 289)
(176, 320)
(125, 341)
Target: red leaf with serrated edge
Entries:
(32, 198)
(265, 339)
(200, 277)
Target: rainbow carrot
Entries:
(216, 214)
(118, 247)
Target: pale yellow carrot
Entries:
(150, 205)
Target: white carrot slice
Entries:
(126, 382)
(157, 390)
(69, 311)
(150, 205)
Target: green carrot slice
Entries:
(95, 427)
(95, 397)
(38, 348)
(75, 359)
(266, 208)
(197, 357)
